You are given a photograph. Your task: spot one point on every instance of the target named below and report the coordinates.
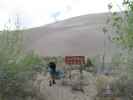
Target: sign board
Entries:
(75, 60)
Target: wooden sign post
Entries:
(76, 60)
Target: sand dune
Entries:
(81, 35)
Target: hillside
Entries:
(80, 35)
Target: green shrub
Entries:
(17, 68)
(102, 81)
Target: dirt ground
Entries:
(65, 92)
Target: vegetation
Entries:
(16, 66)
(122, 23)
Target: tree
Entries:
(122, 23)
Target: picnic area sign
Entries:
(75, 60)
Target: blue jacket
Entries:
(58, 73)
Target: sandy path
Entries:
(59, 92)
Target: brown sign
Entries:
(75, 60)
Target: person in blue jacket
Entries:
(52, 72)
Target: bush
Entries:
(17, 68)
(123, 88)
(102, 82)
(14, 77)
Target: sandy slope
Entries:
(76, 36)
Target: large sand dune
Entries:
(81, 35)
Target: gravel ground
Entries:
(60, 92)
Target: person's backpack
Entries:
(59, 74)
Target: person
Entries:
(52, 72)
